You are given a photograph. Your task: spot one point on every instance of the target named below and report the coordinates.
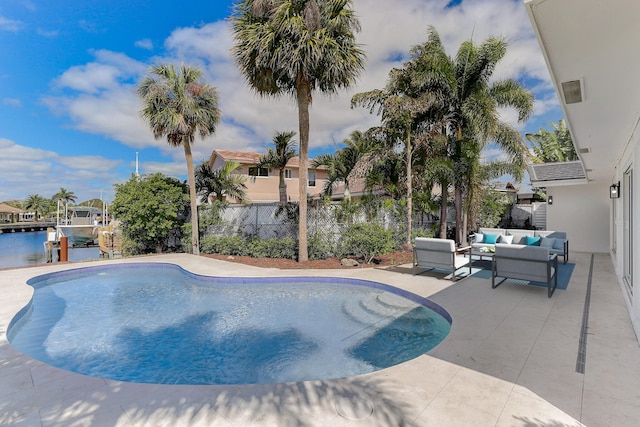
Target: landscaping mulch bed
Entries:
(388, 260)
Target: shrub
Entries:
(423, 232)
(273, 248)
(152, 209)
(321, 246)
(257, 248)
(224, 245)
(367, 240)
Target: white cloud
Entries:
(108, 71)
(211, 41)
(144, 44)
(14, 102)
(176, 168)
(34, 171)
(47, 33)
(11, 25)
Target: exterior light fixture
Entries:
(614, 191)
(549, 200)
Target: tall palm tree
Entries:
(296, 47)
(277, 159)
(177, 104)
(404, 113)
(220, 182)
(470, 103)
(37, 204)
(553, 146)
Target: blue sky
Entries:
(68, 72)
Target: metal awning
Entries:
(560, 173)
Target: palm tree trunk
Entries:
(463, 236)
(443, 209)
(303, 94)
(458, 203)
(283, 188)
(409, 189)
(195, 241)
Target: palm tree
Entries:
(64, 196)
(220, 182)
(343, 162)
(296, 47)
(278, 158)
(404, 113)
(177, 104)
(37, 204)
(470, 104)
(556, 146)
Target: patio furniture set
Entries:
(530, 255)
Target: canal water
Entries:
(27, 248)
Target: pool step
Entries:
(377, 308)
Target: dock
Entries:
(22, 227)
(110, 241)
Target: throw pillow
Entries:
(532, 241)
(478, 238)
(490, 238)
(547, 242)
(506, 239)
(559, 244)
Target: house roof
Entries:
(356, 188)
(590, 43)
(239, 156)
(5, 208)
(560, 173)
(249, 157)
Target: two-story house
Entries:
(262, 184)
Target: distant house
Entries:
(10, 214)
(264, 188)
(357, 190)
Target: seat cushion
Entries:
(547, 242)
(559, 244)
(505, 239)
(490, 238)
(532, 241)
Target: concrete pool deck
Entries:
(510, 360)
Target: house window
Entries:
(256, 171)
(312, 178)
(288, 174)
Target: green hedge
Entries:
(360, 240)
(258, 248)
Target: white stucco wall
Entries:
(583, 212)
(629, 159)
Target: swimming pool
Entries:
(158, 323)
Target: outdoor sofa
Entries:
(432, 253)
(555, 241)
(531, 263)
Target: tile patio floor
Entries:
(510, 360)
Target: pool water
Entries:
(157, 323)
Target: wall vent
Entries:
(572, 91)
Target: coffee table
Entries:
(479, 253)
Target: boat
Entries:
(79, 225)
